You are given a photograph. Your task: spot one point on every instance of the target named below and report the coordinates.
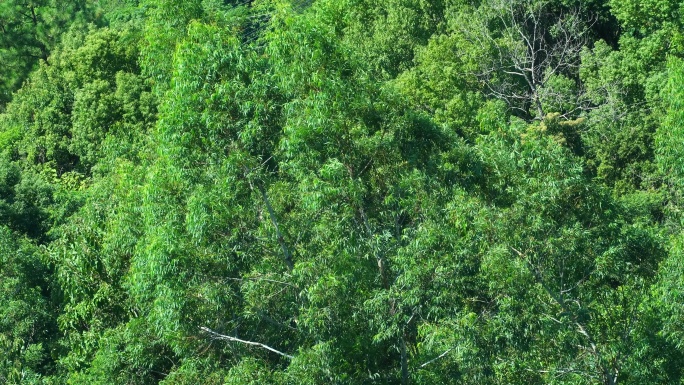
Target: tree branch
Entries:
(436, 358)
(287, 256)
(279, 235)
(581, 329)
(219, 336)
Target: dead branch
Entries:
(218, 336)
(436, 358)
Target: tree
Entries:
(531, 54)
(29, 30)
(302, 192)
(28, 316)
(25, 200)
(68, 109)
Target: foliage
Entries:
(347, 192)
(29, 31)
(27, 327)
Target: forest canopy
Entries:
(342, 192)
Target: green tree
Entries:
(29, 30)
(67, 109)
(27, 315)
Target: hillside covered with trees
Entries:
(342, 192)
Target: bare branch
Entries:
(218, 336)
(436, 358)
(532, 47)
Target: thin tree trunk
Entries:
(404, 361)
(281, 241)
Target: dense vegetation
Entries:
(342, 191)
